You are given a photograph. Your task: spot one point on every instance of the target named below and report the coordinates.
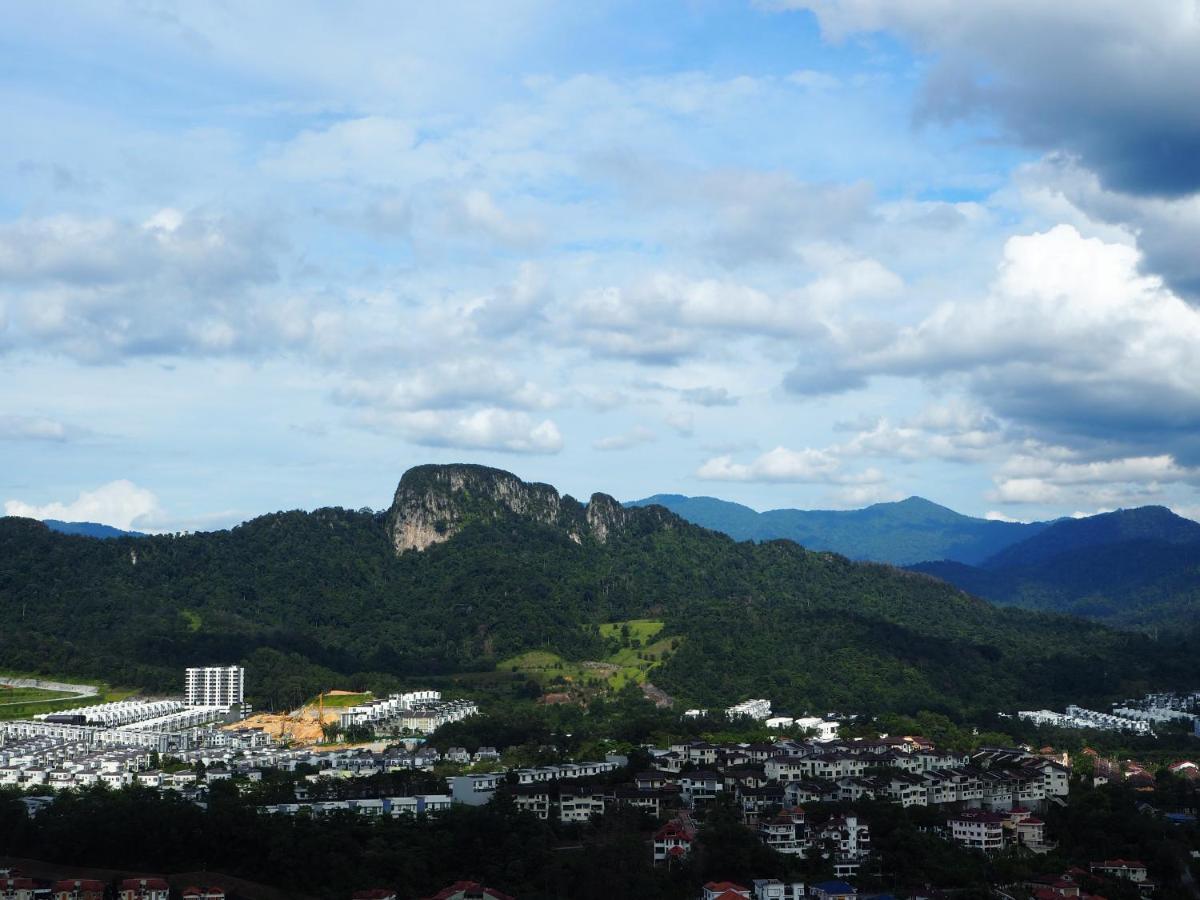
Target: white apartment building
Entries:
(215, 686)
(755, 709)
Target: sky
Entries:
(793, 253)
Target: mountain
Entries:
(471, 565)
(1133, 568)
(89, 529)
(901, 533)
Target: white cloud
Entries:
(1055, 476)
(97, 289)
(483, 429)
(449, 385)
(952, 432)
(1070, 341)
(783, 465)
(994, 516)
(121, 504)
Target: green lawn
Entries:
(639, 629)
(628, 664)
(334, 701)
(28, 695)
(28, 702)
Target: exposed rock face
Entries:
(433, 503)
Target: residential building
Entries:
(579, 803)
(17, 888)
(723, 890)
(1129, 869)
(215, 686)
(674, 840)
(774, 889)
(754, 709)
(533, 798)
(78, 889)
(978, 829)
(833, 890)
(144, 889)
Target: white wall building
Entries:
(215, 686)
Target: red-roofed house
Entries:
(978, 829)
(144, 889)
(469, 890)
(674, 840)
(78, 889)
(1186, 769)
(724, 890)
(16, 888)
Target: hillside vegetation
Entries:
(1136, 568)
(310, 600)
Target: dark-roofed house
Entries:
(834, 890)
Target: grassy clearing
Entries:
(629, 664)
(334, 701)
(29, 695)
(639, 629)
(34, 701)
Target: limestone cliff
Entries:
(433, 503)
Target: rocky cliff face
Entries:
(433, 503)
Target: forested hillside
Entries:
(1137, 568)
(306, 597)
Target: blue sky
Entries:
(814, 253)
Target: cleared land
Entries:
(630, 664)
(340, 699)
(303, 725)
(20, 697)
(9, 694)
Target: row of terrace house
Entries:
(808, 772)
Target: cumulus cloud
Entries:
(517, 306)
(952, 431)
(484, 429)
(121, 504)
(1070, 342)
(449, 385)
(1058, 476)
(1115, 83)
(665, 317)
(783, 465)
(1167, 229)
(100, 288)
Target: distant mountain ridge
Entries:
(901, 533)
(1132, 567)
(89, 529)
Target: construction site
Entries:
(304, 725)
